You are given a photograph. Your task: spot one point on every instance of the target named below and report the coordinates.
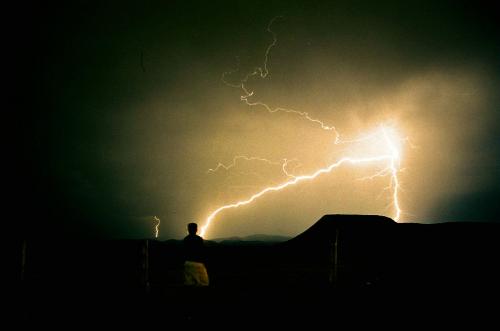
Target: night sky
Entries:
(123, 111)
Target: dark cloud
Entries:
(474, 206)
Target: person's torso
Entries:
(194, 249)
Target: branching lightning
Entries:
(263, 72)
(392, 158)
(384, 135)
(240, 157)
(284, 164)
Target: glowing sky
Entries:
(126, 112)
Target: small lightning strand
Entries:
(287, 110)
(293, 181)
(285, 164)
(263, 72)
(381, 173)
(240, 157)
(156, 226)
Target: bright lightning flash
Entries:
(391, 156)
(385, 138)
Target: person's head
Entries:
(192, 228)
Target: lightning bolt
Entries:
(155, 218)
(391, 156)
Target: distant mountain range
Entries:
(255, 239)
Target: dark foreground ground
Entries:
(364, 266)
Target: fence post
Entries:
(23, 260)
(335, 263)
(145, 265)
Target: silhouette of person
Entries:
(195, 273)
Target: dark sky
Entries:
(123, 111)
